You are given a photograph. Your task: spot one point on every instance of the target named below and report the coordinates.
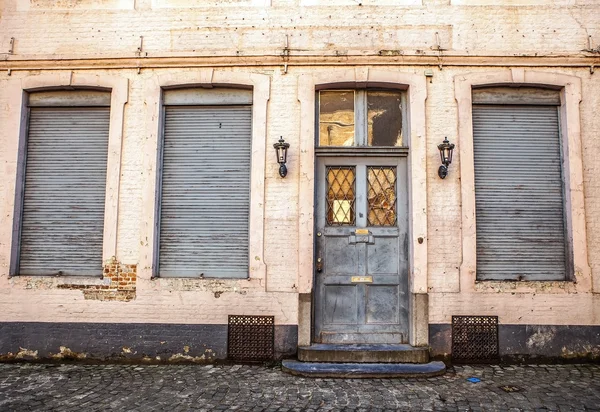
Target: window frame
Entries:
(570, 132)
(361, 122)
(20, 202)
(18, 91)
(527, 99)
(204, 78)
(160, 165)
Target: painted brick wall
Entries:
(76, 31)
(490, 36)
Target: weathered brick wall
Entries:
(474, 36)
(68, 28)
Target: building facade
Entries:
(143, 207)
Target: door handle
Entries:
(319, 264)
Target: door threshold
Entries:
(363, 353)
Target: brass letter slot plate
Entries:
(361, 231)
(362, 279)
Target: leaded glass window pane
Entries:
(340, 196)
(381, 196)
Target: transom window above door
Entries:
(355, 118)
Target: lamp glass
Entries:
(282, 154)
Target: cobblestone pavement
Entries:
(76, 387)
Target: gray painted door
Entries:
(361, 274)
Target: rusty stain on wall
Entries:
(122, 286)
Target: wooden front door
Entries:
(361, 270)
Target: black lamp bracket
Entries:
(443, 171)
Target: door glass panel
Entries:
(340, 195)
(381, 196)
(336, 118)
(384, 117)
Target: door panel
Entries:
(340, 258)
(342, 300)
(382, 304)
(362, 226)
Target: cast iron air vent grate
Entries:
(474, 338)
(251, 338)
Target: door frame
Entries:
(361, 77)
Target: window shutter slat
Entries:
(64, 194)
(205, 199)
(518, 193)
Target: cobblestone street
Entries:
(72, 387)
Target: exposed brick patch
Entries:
(122, 286)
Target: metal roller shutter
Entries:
(518, 193)
(205, 199)
(65, 182)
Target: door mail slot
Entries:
(361, 279)
(361, 236)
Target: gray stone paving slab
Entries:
(77, 387)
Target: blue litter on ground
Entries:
(474, 380)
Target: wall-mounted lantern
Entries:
(281, 148)
(445, 149)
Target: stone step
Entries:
(363, 370)
(363, 353)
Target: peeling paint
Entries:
(526, 287)
(7, 357)
(391, 52)
(214, 286)
(207, 356)
(182, 357)
(586, 351)
(66, 353)
(38, 282)
(541, 338)
(26, 354)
